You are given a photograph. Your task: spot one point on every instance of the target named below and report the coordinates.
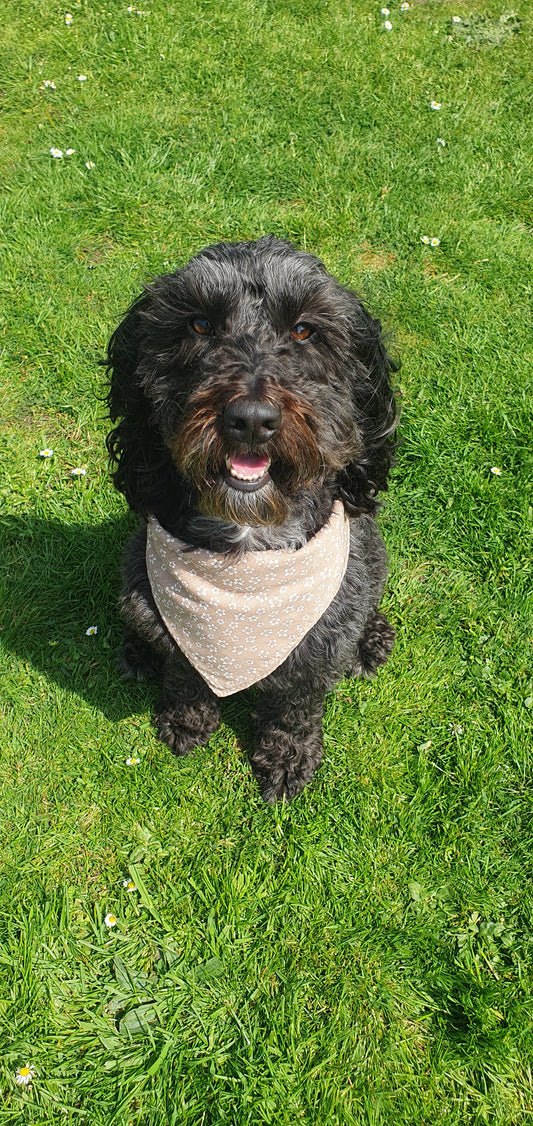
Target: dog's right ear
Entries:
(142, 465)
(122, 361)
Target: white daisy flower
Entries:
(24, 1075)
(404, 7)
(46, 453)
(385, 12)
(91, 631)
(132, 761)
(129, 885)
(456, 19)
(50, 84)
(68, 19)
(57, 153)
(497, 472)
(435, 241)
(425, 238)
(82, 77)
(436, 105)
(441, 141)
(69, 152)
(78, 473)
(90, 164)
(110, 920)
(387, 25)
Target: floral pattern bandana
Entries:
(236, 620)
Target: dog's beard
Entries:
(200, 450)
(266, 505)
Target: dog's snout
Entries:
(251, 421)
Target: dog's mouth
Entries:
(247, 472)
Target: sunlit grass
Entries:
(362, 956)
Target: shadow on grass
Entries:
(61, 579)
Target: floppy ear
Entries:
(376, 414)
(143, 471)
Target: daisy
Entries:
(129, 885)
(82, 77)
(425, 238)
(78, 473)
(110, 921)
(69, 152)
(456, 19)
(57, 153)
(90, 164)
(436, 105)
(24, 1075)
(497, 472)
(404, 7)
(441, 141)
(385, 12)
(435, 241)
(68, 19)
(46, 453)
(387, 25)
(52, 85)
(132, 761)
(91, 631)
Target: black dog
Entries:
(252, 392)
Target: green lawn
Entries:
(363, 956)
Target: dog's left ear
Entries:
(376, 413)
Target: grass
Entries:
(361, 957)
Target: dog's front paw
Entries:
(185, 727)
(280, 784)
(374, 647)
(283, 771)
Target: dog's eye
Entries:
(301, 332)
(202, 326)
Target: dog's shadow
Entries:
(61, 581)
(60, 607)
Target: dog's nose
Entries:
(251, 421)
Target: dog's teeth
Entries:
(245, 476)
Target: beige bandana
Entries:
(237, 621)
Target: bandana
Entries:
(238, 620)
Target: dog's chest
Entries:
(238, 618)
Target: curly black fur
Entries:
(260, 323)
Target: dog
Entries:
(255, 419)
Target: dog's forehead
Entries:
(239, 279)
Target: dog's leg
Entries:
(290, 744)
(374, 646)
(137, 659)
(188, 712)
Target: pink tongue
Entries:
(249, 463)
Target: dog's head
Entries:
(244, 378)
